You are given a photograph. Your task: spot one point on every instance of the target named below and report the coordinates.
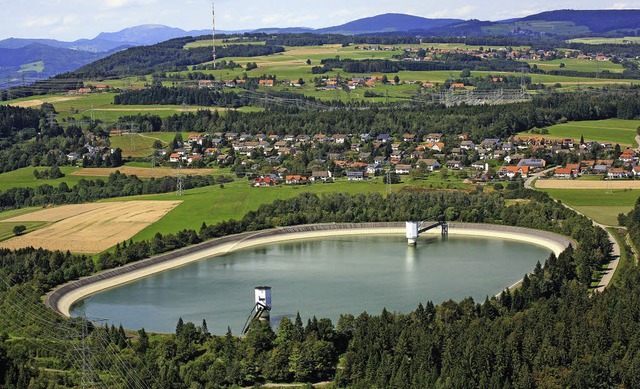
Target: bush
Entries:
(19, 230)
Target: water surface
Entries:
(324, 277)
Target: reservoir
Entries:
(322, 277)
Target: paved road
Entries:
(613, 265)
(529, 181)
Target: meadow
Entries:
(214, 204)
(292, 65)
(24, 178)
(141, 144)
(600, 40)
(615, 131)
(37, 67)
(99, 106)
(579, 65)
(601, 205)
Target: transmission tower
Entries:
(134, 137)
(180, 179)
(213, 34)
(84, 350)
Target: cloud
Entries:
(126, 3)
(517, 14)
(623, 6)
(464, 11)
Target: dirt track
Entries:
(580, 184)
(89, 228)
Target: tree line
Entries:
(166, 56)
(479, 122)
(451, 62)
(116, 185)
(177, 96)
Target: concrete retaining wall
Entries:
(61, 298)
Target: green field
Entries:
(601, 205)
(6, 228)
(213, 204)
(99, 106)
(37, 67)
(615, 131)
(24, 178)
(600, 41)
(141, 145)
(579, 65)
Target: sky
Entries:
(74, 19)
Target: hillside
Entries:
(562, 23)
(387, 23)
(147, 34)
(598, 21)
(38, 61)
(165, 56)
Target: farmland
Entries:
(579, 65)
(600, 40)
(214, 204)
(99, 106)
(615, 131)
(88, 228)
(602, 205)
(297, 62)
(24, 178)
(140, 172)
(141, 145)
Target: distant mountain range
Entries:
(146, 34)
(33, 59)
(23, 61)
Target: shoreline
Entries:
(62, 298)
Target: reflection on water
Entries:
(324, 277)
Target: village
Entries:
(268, 160)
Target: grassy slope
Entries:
(23, 178)
(6, 228)
(611, 130)
(578, 65)
(141, 145)
(213, 204)
(601, 205)
(600, 40)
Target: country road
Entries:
(613, 265)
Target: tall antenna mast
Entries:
(213, 35)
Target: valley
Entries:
(156, 148)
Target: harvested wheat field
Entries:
(141, 172)
(579, 184)
(39, 102)
(89, 228)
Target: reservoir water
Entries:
(324, 277)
